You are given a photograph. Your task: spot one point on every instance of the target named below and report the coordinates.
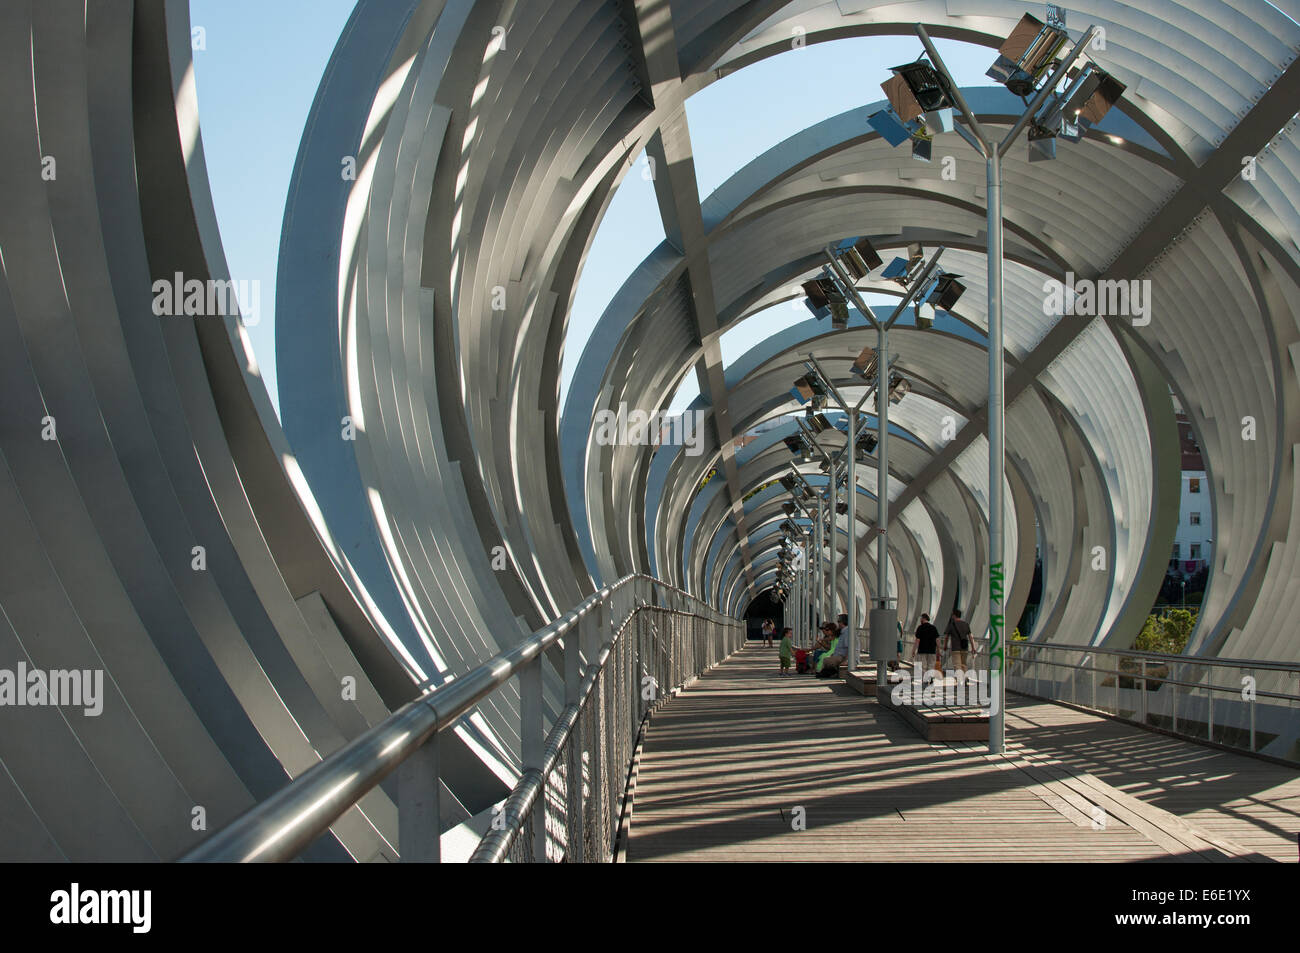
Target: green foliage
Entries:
(1168, 635)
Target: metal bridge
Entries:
(429, 613)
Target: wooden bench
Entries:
(941, 722)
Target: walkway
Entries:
(729, 770)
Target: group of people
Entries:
(831, 650)
(827, 654)
(957, 643)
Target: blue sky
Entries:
(255, 91)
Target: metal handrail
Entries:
(1149, 674)
(495, 845)
(1215, 661)
(283, 825)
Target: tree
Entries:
(1168, 635)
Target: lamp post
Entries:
(883, 617)
(993, 153)
(832, 527)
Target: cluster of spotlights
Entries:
(859, 258)
(921, 102)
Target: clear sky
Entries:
(256, 81)
(255, 90)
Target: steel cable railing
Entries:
(628, 646)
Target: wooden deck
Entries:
(731, 765)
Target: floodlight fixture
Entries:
(818, 423)
(1091, 95)
(808, 388)
(839, 314)
(816, 298)
(1028, 55)
(788, 509)
(899, 387)
(1086, 101)
(1042, 143)
(824, 298)
(922, 149)
(842, 508)
(903, 271)
(945, 292)
(891, 128)
(858, 256)
(865, 364)
(917, 88)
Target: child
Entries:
(787, 649)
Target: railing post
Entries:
(419, 810)
(1209, 697)
(1143, 706)
(1173, 699)
(1093, 665)
(572, 695)
(532, 735)
(593, 639)
(1255, 681)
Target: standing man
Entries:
(927, 644)
(958, 633)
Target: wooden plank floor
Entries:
(732, 762)
(1253, 802)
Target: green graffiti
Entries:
(996, 578)
(996, 623)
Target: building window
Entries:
(1178, 549)
(1195, 519)
(1196, 551)
(1194, 485)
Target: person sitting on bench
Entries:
(829, 665)
(823, 645)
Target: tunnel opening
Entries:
(764, 606)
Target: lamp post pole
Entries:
(882, 620)
(832, 524)
(851, 560)
(819, 591)
(882, 493)
(993, 153)
(802, 623)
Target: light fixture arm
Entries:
(980, 140)
(922, 280)
(826, 382)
